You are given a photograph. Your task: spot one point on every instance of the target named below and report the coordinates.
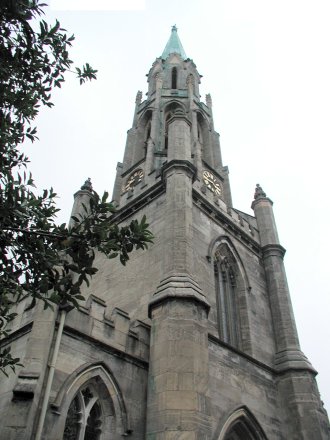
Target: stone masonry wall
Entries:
(98, 346)
(206, 230)
(113, 346)
(239, 382)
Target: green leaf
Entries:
(39, 260)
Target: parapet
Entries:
(113, 328)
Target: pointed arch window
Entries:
(84, 419)
(174, 77)
(242, 425)
(143, 132)
(241, 431)
(90, 406)
(226, 281)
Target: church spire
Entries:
(174, 45)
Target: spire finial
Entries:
(259, 192)
(174, 45)
(208, 99)
(87, 185)
(138, 98)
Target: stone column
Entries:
(283, 320)
(149, 156)
(302, 410)
(117, 188)
(156, 113)
(22, 410)
(138, 101)
(129, 159)
(179, 139)
(226, 187)
(178, 399)
(155, 126)
(198, 156)
(197, 148)
(208, 100)
(217, 152)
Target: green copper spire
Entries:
(174, 45)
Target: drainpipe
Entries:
(83, 195)
(50, 376)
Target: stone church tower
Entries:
(195, 339)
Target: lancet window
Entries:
(174, 77)
(142, 135)
(226, 280)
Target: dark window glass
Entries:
(92, 431)
(71, 430)
(84, 419)
(87, 395)
(225, 270)
(174, 77)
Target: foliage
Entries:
(39, 259)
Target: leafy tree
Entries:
(39, 259)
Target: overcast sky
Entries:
(267, 67)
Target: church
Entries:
(195, 339)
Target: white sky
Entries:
(267, 67)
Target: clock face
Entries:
(212, 183)
(133, 179)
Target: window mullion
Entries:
(223, 305)
(233, 314)
(83, 419)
